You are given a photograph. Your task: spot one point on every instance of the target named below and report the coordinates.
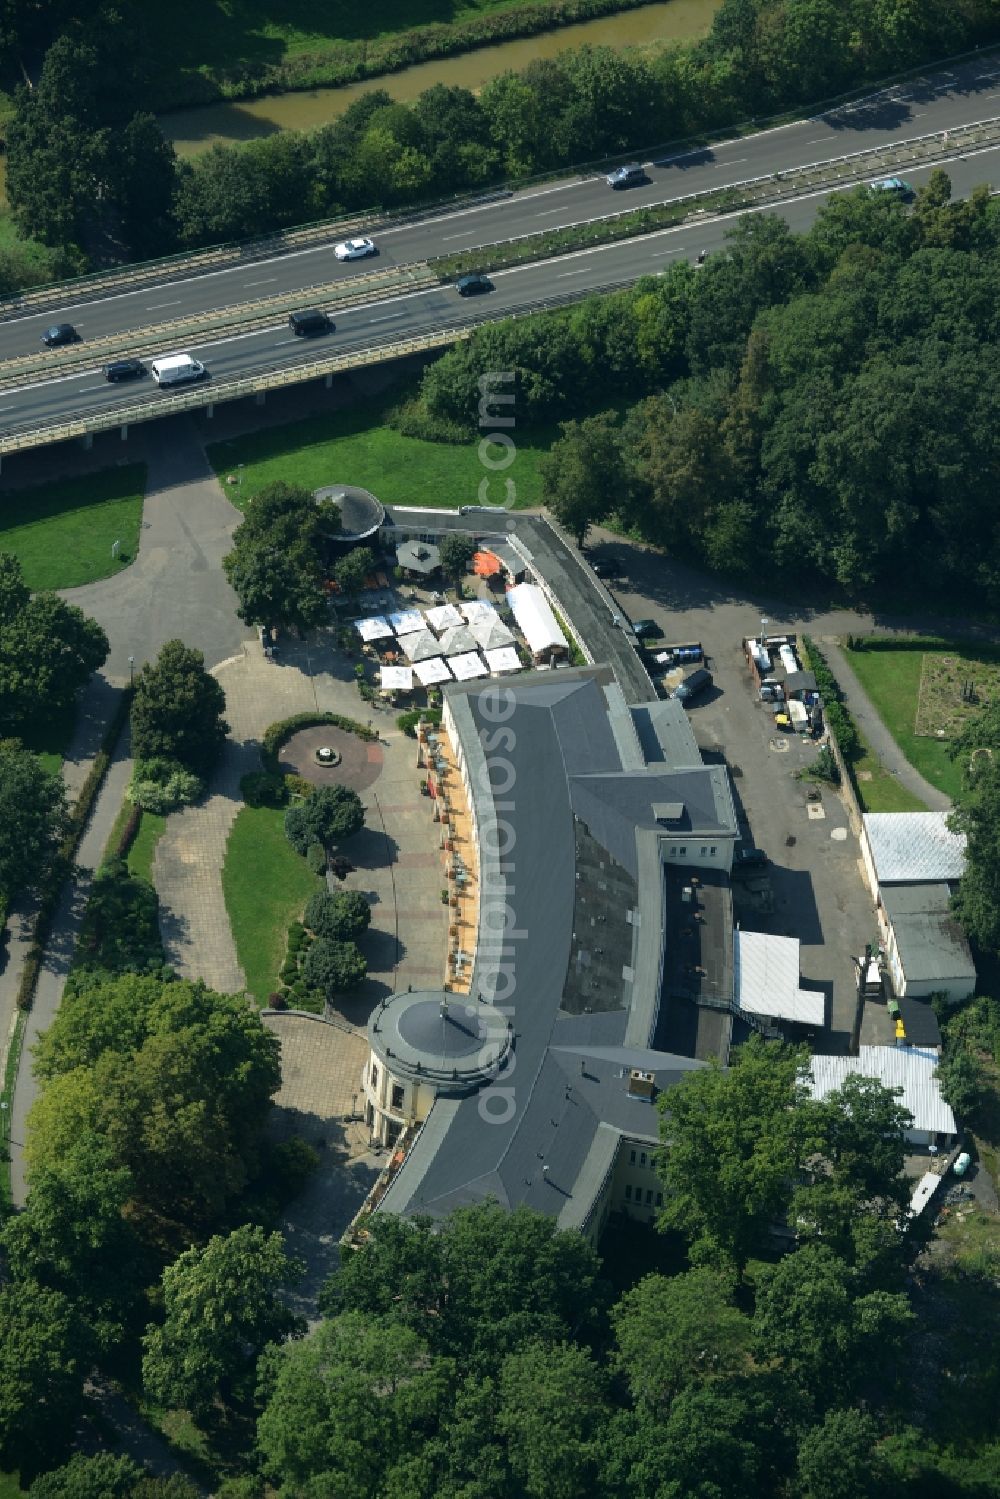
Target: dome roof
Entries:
(361, 513)
(447, 1040)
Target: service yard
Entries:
(819, 894)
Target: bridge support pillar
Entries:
(124, 431)
(210, 409)
(259, 397)
(328, 380)
(88, 441)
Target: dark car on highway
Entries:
(471, 286)
(631, 176)
(60, 333)
(124, 369)
(309, 323)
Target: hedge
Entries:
(837, 716)
(279, 733)
(62, 865)
(408, 721)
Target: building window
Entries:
(374, 1076)
(704, 851)
(632, 1154)
(712, 851)
(649, 1198)
(397, 1096)
(659, 1199)
(682, 851)
(628, 1194)
(642, 1159)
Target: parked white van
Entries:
(177, 369)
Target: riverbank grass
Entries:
(892, 680)
(63, 532)
(358, 447)
(266, 885)
(237, 49)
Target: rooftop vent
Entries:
(668, 813)
(641, 1084)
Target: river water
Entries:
(193, 130)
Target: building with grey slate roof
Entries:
(604, 852)
(910, 848)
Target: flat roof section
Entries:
(929, 940)
(767, 979)
(904, 1067)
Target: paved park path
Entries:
(866, 716)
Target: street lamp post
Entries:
(131, 671)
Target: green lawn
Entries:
(892, 681)
(355, 447)
(63, 532)
(10, 1487)
(266, 886)
(883, 792)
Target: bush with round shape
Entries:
(334, 967)
(162, 785)
(316, 858)
(330, 815)
(341, 917)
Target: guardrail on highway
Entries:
(775, 187)
(20, 438)
(246, 317)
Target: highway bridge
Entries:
(231, 310)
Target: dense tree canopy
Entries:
(176, 1080)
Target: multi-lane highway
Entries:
(944, 101)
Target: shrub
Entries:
(262, 788)
(331, 814)
(296, 936)
(298, 786)
(334, 967)
(407, 722)
(129, 833)
(277, 1001)
(162, 785)
(340, 917)
(289, 971)
(316, 858)
(120, 931)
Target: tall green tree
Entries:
(457, 551)
(977, 815)
(177, 710)
(45, 1355)
(48, 652)
(732, 1141)
(329, 816)
(676, 1331)
(221, 1307)
(33, 817)
(345, 1407)
(276, 565)
(552, 1408)
(353, 569)
(582, 479)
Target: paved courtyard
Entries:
(320, 1086)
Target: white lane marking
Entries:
(279, 345)
(824, 192)
(571, 273)
(86, 389)
(157, 305)
(266, 281)
(731, 163)
(391, 318)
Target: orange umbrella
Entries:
(486, 565)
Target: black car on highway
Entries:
(471, 286)
(60, 333)
(124, 369)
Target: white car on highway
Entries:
(355, 249)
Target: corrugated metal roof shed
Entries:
(911, 847)
(905, 1067)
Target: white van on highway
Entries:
(177, 369)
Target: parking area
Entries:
(817, 892)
